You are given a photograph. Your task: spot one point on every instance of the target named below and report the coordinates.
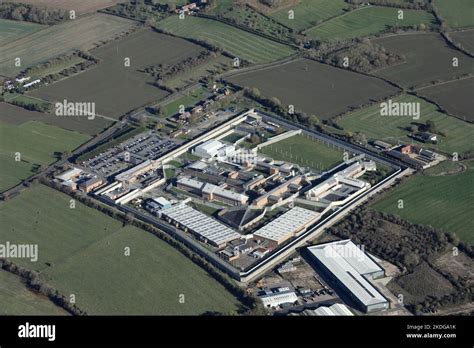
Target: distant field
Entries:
(240, 43)
(428, 58)
(36, 142)
(308, 13)
(458, 13)
(455, 97)
(465, 39)
(14, 30)
(117, 89)
(315, 88)
(393, 129)
(15, 115)
(85, 252)
(367, 21)
(16, 299)
(81, 7)
(444, 202)
(305, 152)
(149, 281)
(81, 33)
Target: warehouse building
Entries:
(351, 269)
(277, 296)
(207, 229)
(287, 225)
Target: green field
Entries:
(305, 152)
(240, 43)
(444, 202)
(458, 134)
(81, 252)
(16, 299)
(37, 143)
(367, 21)
(309, 13)
(458, 13)
(188, 100)
(13, 30)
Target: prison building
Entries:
(287, 225)
(204, 227)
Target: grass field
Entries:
(457, 13)
(117, 89)
(368, 21)
(315, 88)
(81, 33)
(427, 58)
(465, 38)
(16, 299)
(188, 100)
(85, 252)
(455, 97)
(36, 142)
(16, 115)
(14, 30)
(309, 13)
(237, 42)
(81, 7)
(305, 152)
(444, 202)
(393, 129)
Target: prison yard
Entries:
(82, 251)
(368, 21)
(315, 88)
(306, 152)
(443, 202)
(428, 59)
(236, 42)
(394, 129)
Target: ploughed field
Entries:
(316, 88)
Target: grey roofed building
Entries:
(351, 269)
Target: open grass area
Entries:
(188, 100)
(304, 151)
(81, 7)
(81, 33)
(428, 58)
(37, 143)
(308, 13)
(82, 252)
(457, 13)
(367, 21)
(458, 134)
(16, 299)
(115, 88)
(237, 42)
(315, 88)
(444, 202)
(14, 30)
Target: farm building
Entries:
(351, 269)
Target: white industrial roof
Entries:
(287, 223)
(348, 264)
(68, 174)
(210, 146)
(334, 310)
(161, 201)
(279, 298)
(201, 224)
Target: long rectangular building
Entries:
(351, 268)
(206, 228)
(287, 225)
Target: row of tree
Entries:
(30, 13)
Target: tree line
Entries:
(30, 13)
